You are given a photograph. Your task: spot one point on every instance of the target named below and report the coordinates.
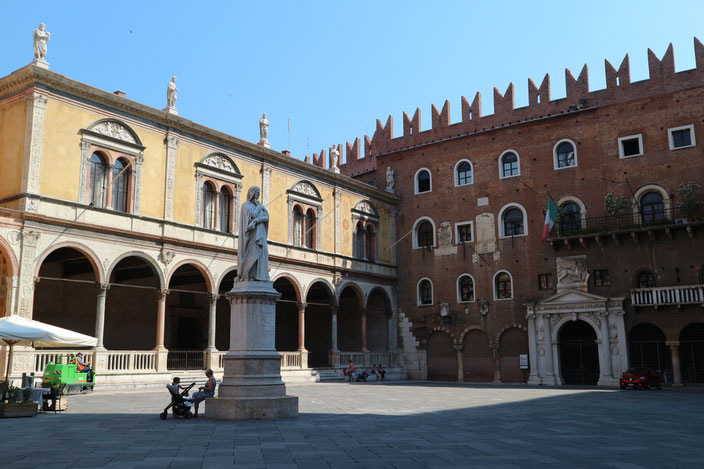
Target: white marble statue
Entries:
(41, 36)
(252, 250)
(389, 179)
(171, 93)
(335, 159)
(264, 128)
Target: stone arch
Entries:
(507, 327)
(581, 317)
(294, 282)
(225, 273)
(145, 257)
(651, 187)
(202, 268)
(477, 356)
(415, 231)
(83, 249)
(9, 254)
(446, 330)
(360, 293)
(467, 330)
(328, 286)
(379, 310)
(349, 318)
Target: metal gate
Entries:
(692, 353)
(579, 356)
(647, 349)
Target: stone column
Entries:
(460, 363)
(25, 288)
(337, 196)
(161, 319)
(212, 312)
(552, 372)
(676, 371)
(533, 377)
(171, 149)
(334, 351)
(33, 142)
(390, 332)
(497, 371)
(100, 315)
(605, 378)
(364, 331)
(301, 327)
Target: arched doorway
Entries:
(477, 361)
(647, 349)
(378, 314)
(579, 355)
(7, 270)
(318, 319)
(186, 331)
(131, 305)
(513, 342)
(222, 312)
(66, 295)
(349, 329)
(442, 357)
(286, 315)
(692, 353)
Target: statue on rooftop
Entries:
(252, 250)
(389, 179)
(334, 159)
(171, 93)
(41, 36)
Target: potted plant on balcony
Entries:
(690, 196)
(9, 407)
(615, 205)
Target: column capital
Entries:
(162, 294)
(301, 306)
(672, 343)
(458, 347)
(212, 297)
(102, 287)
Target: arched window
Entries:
(98, 180)
(424, 234)
(359, 240)
(464, 174)
(652, 207)
(370, 243)
(423, 183)
(208, 209)
(570, 217)
(425, 292)
(502, 286)
(120, 183)
(298, 224)
(513, 222)
(224, 202)
(645, 279)
(310, 228)
(509, 165)
(565, 155)
(465, 288)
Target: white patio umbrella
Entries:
(16, 330)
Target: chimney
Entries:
(120, 93)
(286, 152)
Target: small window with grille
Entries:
(601, 278)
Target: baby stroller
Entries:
(178, 402)
(363, 376)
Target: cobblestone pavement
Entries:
(390, 425)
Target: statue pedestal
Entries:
(41, 63)
(170, 110)
(264, 143)
(251, 388)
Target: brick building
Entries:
(612, 287)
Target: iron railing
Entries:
(185, 360)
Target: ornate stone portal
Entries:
(573, 303)
(252, 388)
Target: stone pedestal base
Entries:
(41, 63)
(170, 110)
(264, 143)
(251, 387)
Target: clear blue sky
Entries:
(335, 67)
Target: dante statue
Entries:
(389, 179)
(40, 38)
(263, 128)
(252, 251)
(171, 93)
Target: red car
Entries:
(642, 378)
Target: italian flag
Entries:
(550, 218)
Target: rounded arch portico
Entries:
(83, 249)
(202, 268)
(146, 258)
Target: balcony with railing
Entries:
(631, 226)
(668, 296)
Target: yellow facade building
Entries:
(118, 220)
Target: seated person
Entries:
(82, 366)
(204, 391)
(380, 372)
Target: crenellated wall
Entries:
(619, 89)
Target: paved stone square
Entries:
(374, 425)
